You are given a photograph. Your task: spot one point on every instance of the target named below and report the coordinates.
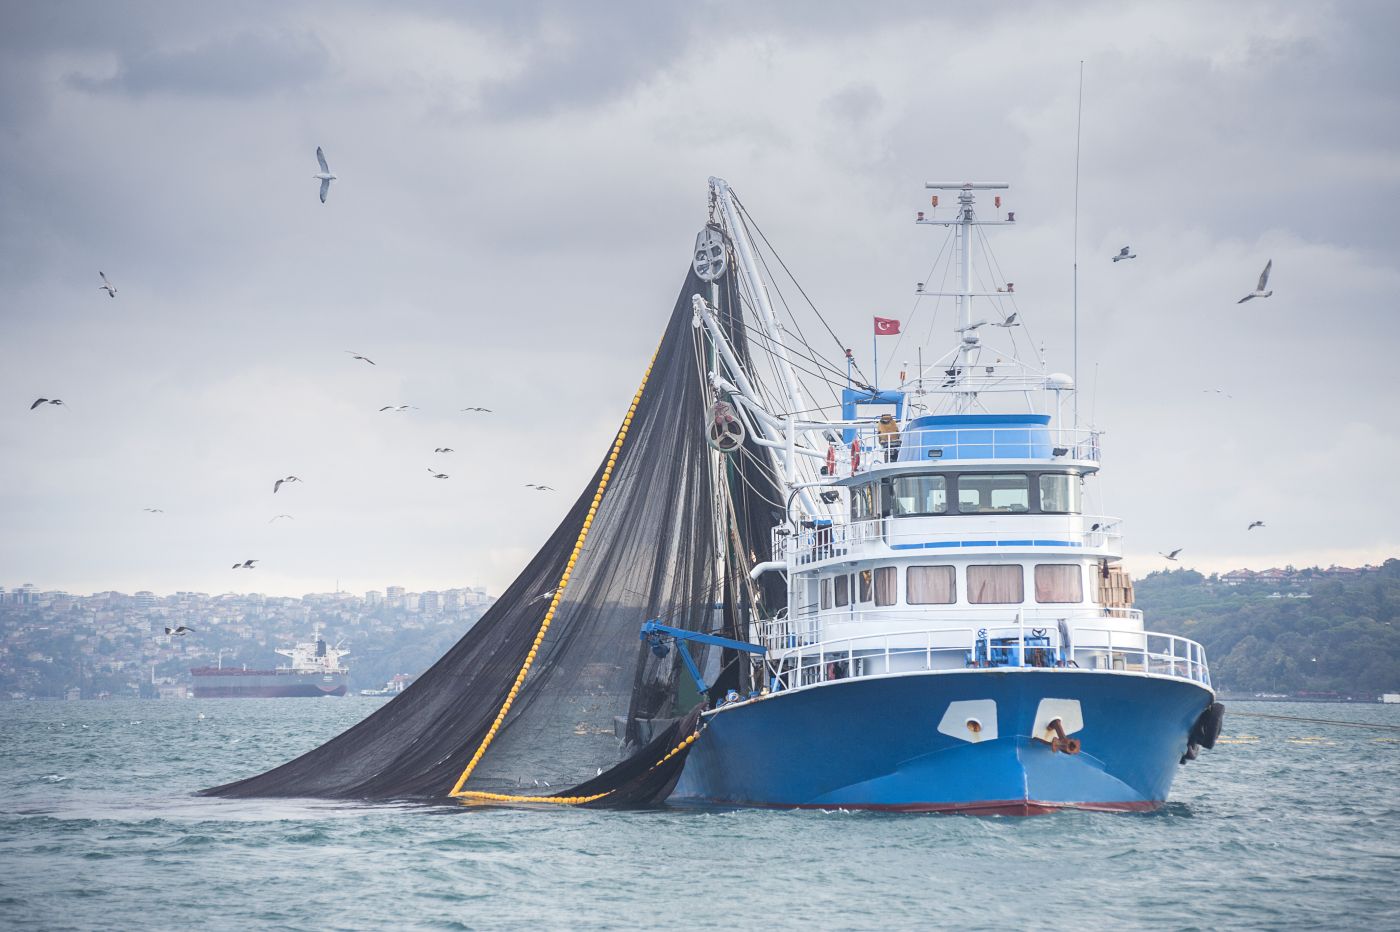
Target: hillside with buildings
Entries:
(1328, 633)
(56, 645)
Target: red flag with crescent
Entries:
(885, 326)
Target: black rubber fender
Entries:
(1208, 726)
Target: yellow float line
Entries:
(558, 592)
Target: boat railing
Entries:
(879, 536)
(1019, 645)
(866, 447)
(805, 626)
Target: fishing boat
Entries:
(900, 599)
(958, 634)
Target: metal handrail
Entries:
(959, 444)
(804, 626)
(885, 533)
(1147, 652)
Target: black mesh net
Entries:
(672, 537)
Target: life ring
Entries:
(855, 454)
(831, 459)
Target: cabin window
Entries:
(993, 494)
(886, 585)
(919, 495)
(931, 585)
(867, 585)
(1059, 582)
(996, 585)
(842, 585)
(1060, 493)
(826, 592)
(863, 502)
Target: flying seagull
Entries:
(275, 517)
(542, 596)
(179, 631)
(1172, 555)
(539, 488)
(396, 408)
(324, 174)
(106, 285)
(278, 484)
(482, 410)
(436, 474)
(1218, 391)
(158, 511)
(1259, 292)
(358, 356)
(1010, 321)
(1125, 253)
(45, 401)
(443, 450)
(245, 565)
(1254, 524)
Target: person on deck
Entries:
(888, 432)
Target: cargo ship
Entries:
(315, 670)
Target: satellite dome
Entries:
(1059, 382)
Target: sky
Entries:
(519, 188)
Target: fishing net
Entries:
(553, 693)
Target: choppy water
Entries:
(1300, 827)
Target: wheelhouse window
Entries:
(1061, 494)
(931, 585)
(867, 585)
(980, 494)
(918, 495)
(1059, 582)
(826, 592)
(996, 585)
(886, 585)
(842, 585)
(863, 502)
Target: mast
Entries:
(968, 339)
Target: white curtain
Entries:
(1058, 582)
(931, 585)
(886, 585)
(995, 585)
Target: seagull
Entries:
(1218, 391)
(278, 484)
(542, 596)
(275, 517)
(1259, 292)
(106, 285)
(482, 410)
(245, 565)
(1254, 524)
(45, 401)
(1125, 253)
(1172, 555)
(539, 488)
(324, 174)
(1010, 321)
(969, 327)
(396, 408)
(436, 474)
(179, 631)
(158, 511)
(443, 450)
(358, 356)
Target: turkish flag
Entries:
(884, 326)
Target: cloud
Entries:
(248, 64)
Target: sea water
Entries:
(1285, 824)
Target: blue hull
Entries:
(880, 743)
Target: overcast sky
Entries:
(520, 185)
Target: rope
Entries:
(563, 582)
(1317, 721)
(572, 800)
